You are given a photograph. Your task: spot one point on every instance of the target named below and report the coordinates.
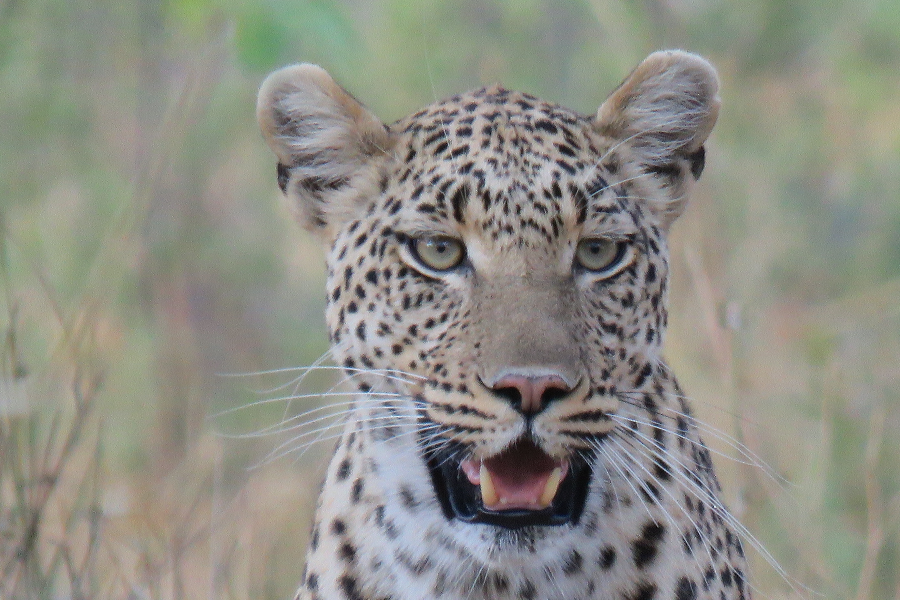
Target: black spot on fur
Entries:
(581, 202)
(545, 125)
(338, 527)
(407, 498)
(349, 587)
(645, 548)
(686, 589)
(607, 557)
(343, 470)
(347, 552)
(356, 491)
(565, 166)
(645, 373)
(458, 202)
(645, 591)
(573, 563)
(312, 582)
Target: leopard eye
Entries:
(440, 253)
(600, 255)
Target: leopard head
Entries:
(506, 258)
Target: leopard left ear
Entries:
(664, 112)
(329, 146)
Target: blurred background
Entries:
(153, 287)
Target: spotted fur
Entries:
(518, 182)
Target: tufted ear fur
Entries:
(328, 145)
(664, 112)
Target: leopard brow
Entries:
(429, 228)
(617, 232)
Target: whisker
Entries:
(712, 405)
(711, 497)
(328, 394)
(304, 370)
(616, 146)
(623, 420)
(666, 490)
(732, 442)
(303, 447)
(279, 428)
(610, 460)
(283, 451)
(620, 182)
(391, 374)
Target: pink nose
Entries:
(530, 394)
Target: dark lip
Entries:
(461, 500)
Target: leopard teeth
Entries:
(550, 488)
(488, 493)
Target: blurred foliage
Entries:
(138, 211)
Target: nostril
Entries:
(531, 394)
(511, 394)
(552, 394)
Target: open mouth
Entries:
(521, 486)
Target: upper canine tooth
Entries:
(488, 493)
(550, 488)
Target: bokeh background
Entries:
(153, 284)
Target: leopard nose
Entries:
(530, 394)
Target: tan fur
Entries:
(669, 104)
(340, 140)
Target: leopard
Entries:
(496, 298)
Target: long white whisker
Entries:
(623, 420)
(626, 180)
(304, 371)
(634, 398)
(616, 146)
(328, 394)
(718, 506)
(668, 493)
(611, 460)
(283, 451)
(732, 442)
(712, 405)
(281, 428)
(303, 447)
(391, 374)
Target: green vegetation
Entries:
(144, 254)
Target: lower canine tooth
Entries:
(488, 493)
(550, 488)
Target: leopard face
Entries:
(519, 272)
(497, 270)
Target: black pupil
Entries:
(596, 248)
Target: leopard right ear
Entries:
(329, 146)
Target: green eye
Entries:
(599, 254)
(440, 253)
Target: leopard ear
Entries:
(329, 146)
(664, 112)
